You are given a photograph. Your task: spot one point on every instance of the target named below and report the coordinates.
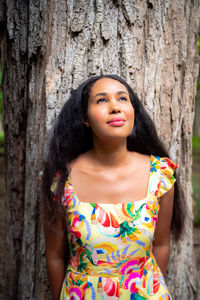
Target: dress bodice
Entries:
(111, 244)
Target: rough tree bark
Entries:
(47, 49)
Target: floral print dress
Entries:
(111, 244)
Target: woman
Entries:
(108, 183)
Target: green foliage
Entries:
(196, 198)
(196, 145)
(198, 45)
(1, 137)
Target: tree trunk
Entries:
(47, 49)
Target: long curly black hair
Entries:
(71, 137)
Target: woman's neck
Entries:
(112, 154)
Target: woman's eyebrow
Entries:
(105, 94)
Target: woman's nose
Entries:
(114, 107)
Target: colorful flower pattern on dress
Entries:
(111, 244)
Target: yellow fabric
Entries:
(111, 244)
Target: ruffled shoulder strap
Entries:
(161, 175)
(54, 184)
(69, 194)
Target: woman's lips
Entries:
(116, 122)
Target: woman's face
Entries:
(110, 112)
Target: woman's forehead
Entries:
(107, 85)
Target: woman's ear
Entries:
(86, 123)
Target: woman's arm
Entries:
(161, 243)
(55, 257)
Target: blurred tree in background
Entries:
(47, 49)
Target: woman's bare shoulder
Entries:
(139, 158)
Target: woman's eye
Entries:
(122, 99)
(101, 100)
